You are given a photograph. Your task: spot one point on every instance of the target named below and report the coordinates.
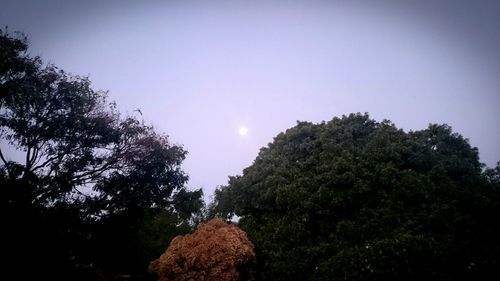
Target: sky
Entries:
(200, 71)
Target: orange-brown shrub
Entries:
(213, 252)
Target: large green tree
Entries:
(80, 182)
(356, 199)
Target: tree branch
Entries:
(50, 159)
(34, 156)
(6, 164)
(27, 165)
(93, 173)
(58, 156)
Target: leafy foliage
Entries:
(214, 252)
(355, 199)
(90, 183)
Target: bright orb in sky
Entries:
(243, 131)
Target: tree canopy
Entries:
(357, 199)
(82, 182)
(87, 194)
(216, 251)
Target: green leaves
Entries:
(354, 199)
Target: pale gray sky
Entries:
(199, 70)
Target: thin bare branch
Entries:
(27, 165)
(5, 162)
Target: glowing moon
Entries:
(243, 131)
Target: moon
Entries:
(243, 131)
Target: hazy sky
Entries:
(200, 70)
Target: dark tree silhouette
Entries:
(88, 179)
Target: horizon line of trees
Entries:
(98, 195)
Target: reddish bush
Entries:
(213, 252)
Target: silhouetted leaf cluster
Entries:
(91, 193)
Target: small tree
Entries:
(214, 251)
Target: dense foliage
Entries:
(356, 199)
(85, 191)
(89, 194)
(216, 251)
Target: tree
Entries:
(82, 162)
(355, 199)
(216, 251)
